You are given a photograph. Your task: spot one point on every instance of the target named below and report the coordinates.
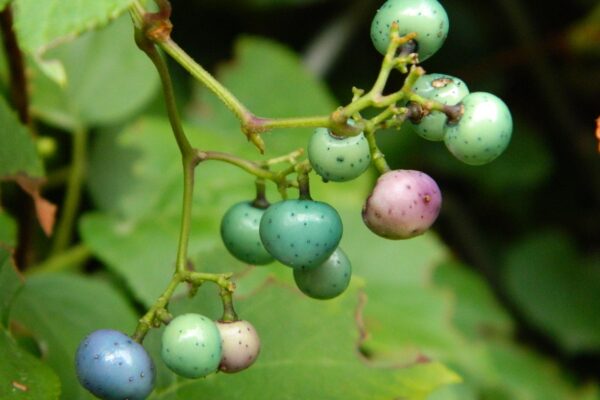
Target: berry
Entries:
(425, 17)
(404, 204)
(239, 231)
(191, 346)
(241, 345)
(301, 233)
(327, 280)
(337, 158)
(483, 131)
(113, 367)
(445, 89)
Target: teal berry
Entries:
(301, 233)
(328, 280)
(239, 231)
(427, 18)
(445, 89)
(483, 131)
(191, 346)
(337, 158)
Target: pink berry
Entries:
(241, 345)
(404, 204)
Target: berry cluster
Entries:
(114, 367)
(304, 234)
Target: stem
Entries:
(248, 166)
(266, 124)
(70, 258)
(188, 155)
(198, 72)
(229, 314)
(260, 201)
(16, 64)
(186, 213)
(303, 183)
(159, 63)
(377, 157)
(64, 230)
(147, 321)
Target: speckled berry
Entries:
(327, 280)
(239, 231)
(241, 345)
(191, 346)
(301, 233)
(403, 204)
(445, 89)
(483, 131)
(113, 367)
(425, 17)
(337, 158)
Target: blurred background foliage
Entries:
(504, 294)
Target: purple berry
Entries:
(404, 204)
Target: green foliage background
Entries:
(499, 302)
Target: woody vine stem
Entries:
(152, 30)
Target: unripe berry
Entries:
(425, 17)
(483, 131)
(443, 88)
(337, 158)
(327, 280)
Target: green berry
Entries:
(337, 158)
(301, 233)
(445, 89)
(483, 131)
(239, 231)
(191, 346)
(425, 17)
(327, 280)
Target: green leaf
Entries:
(17, 151)
(109, 79)
(477, 312)
(23, 376)
(3, 4)
(517, 373)
(556, 289)
(42, 24)
(406, 316)
(310, 353)
(60, 310)
(264, 72)
(8, 231)
(10, 283)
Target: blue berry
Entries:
(113, 367)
